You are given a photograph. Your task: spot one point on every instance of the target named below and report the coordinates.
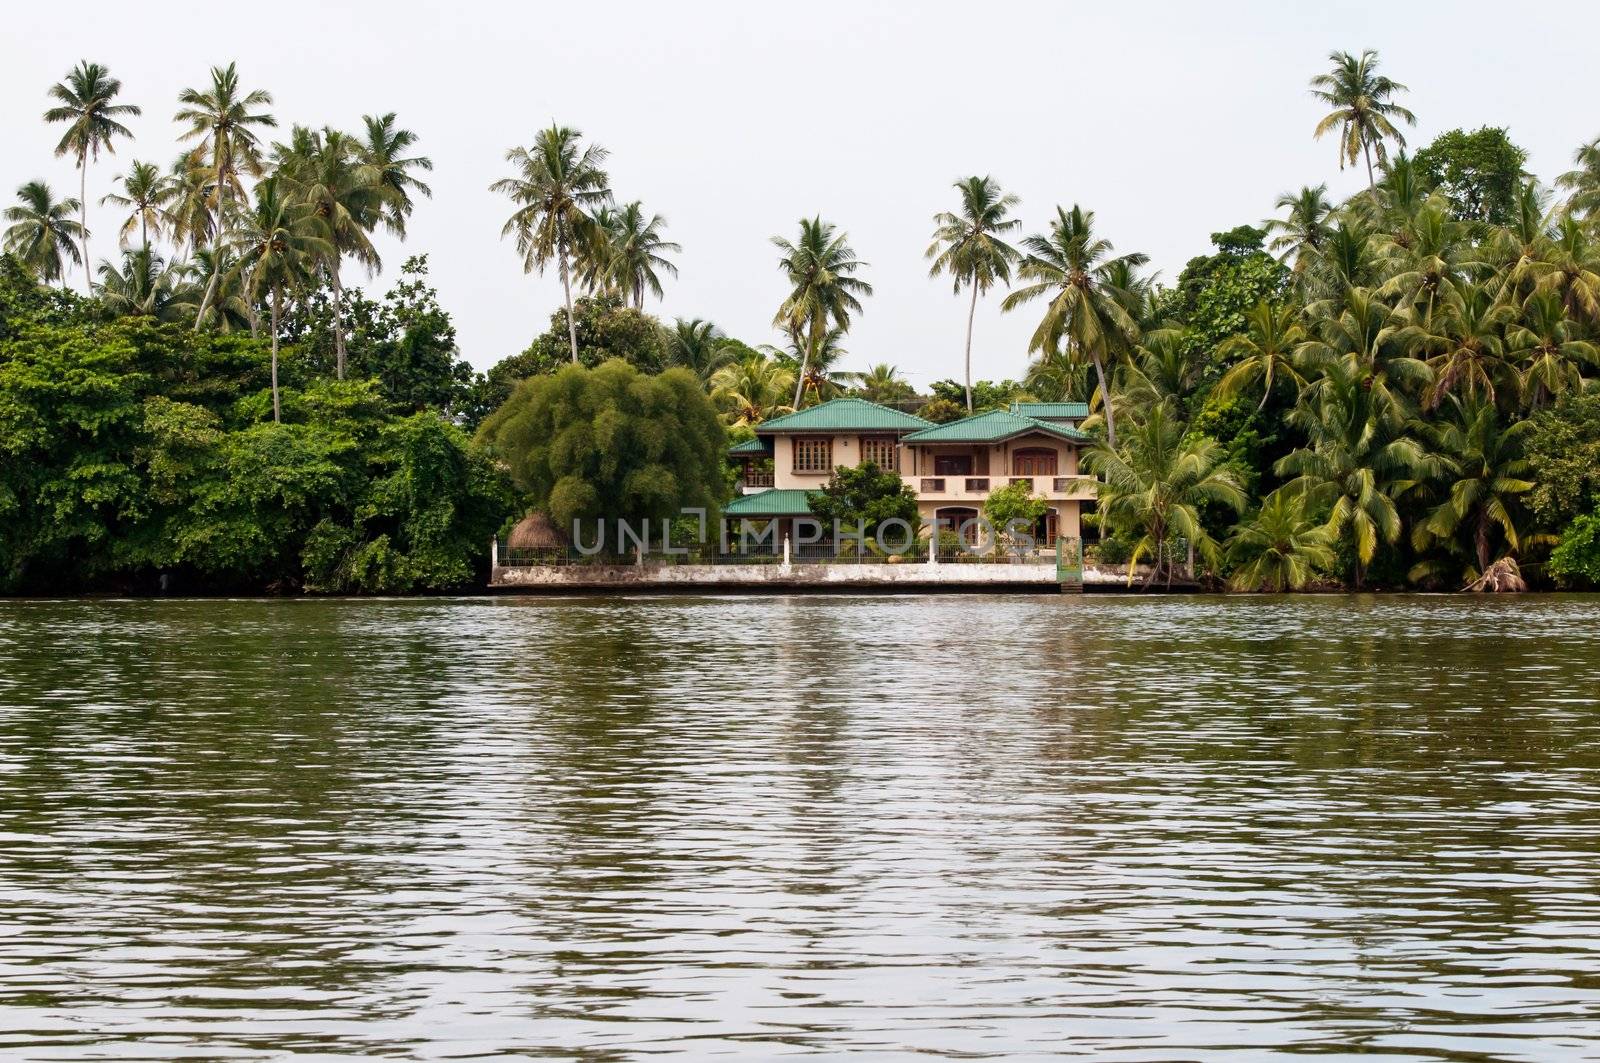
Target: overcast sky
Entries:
(1169, 120)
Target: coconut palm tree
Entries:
(816, 367)
(557, 184)
(824, 291)
(1086, 318)
(1583, 181)
(1572, 270)
(278, 245)
(881, 383)
(751, 390)
(1281, 546)
(1426, 261)
(632, 252)
(1058, 380)
(43, 233)
(382, 150)
(1364, 111)
(189, 212)
(1156, 483)
(324, 169)
(146, 192)
(1269, 350)
(1485, 477)
(144, 287)
(1515, 254)
(967, 246)
(1548, 350)
(1356, 455)
(85, 103)
(1299, 235)
(223, 120)
(699, 346)
(212, 270)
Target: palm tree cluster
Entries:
(249, 226)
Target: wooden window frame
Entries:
(810, 447)
(871, 444)
(1030, 454)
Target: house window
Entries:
(1033, 461)
(952, 464)
(813, 454)
(880, 450)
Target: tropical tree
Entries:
(144, 287)
(824, 291)
(699, 346)
(881, 383)
(1269, 351)
(1465, 348)
(1426, 260)
(557, 184)
(1155, 485)
(967, 246)
(1583, 181)
(223, 119)
(85, 103)
(1302, 232)
(189, 216)
(325, 170)
(1571, 269)
(1281, 547)
(278, 245)
(1485, 477)
(1548, 350)
(751, 390)
(1086, 318)
(1364, 111)
(631, 252)
(146, 192)
(382, 151)
(1355, 456)
(42, 233)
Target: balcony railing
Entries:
(977, 483)
(932, 485)
(758, 478)
(977, 487)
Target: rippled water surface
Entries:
(1021, 827)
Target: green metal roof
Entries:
(845, 415)
(773, 502)
(1048, 410)
(752, 445)
(992, 427)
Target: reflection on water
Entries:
(1125, 828)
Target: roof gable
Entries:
(994, 427)
(845, 415)
(1047, 411)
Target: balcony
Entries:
(976, 484)
(977, 488)
(758, 478)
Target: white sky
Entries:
(1171, 120)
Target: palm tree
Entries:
(1465, 347)
(145, 287)
(324, 169)
(1572, 270)
(279, 245)
(1486, 476)
(815, 367)
(882, 383)
(189, 213)
(224, 119)
(85, 104)
(1281, 546)
(633, 250)
(1057, 380)
(1355, 455)
(823, 292)
(1156, 483)
(212, 270)
(1086, 318)
(1583, 182)
(146, 193)
(967, 246)
(1549, 350)
(751, 390)
(1301, 234)
(1519, 251)
(557, 183)
(1270, 350)
(383, 152)
(699, 346)
(1426, 260)
(1363, 108)
(42, 232)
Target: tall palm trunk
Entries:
(83, 218)
(216, 248)
(1366, 149)
(972, 312)
(805, 360)
(566, 288)
(338, 318)
(1105, 402)
(277, 296)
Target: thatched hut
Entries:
(535, 533)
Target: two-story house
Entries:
(951, 467)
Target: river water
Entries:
(1018, 827)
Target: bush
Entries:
(1113, 551)
(1575, 562)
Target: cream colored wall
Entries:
(999, 456)
(1067, 514)
(846, 452)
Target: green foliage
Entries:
(1015, 502)
(1479, 172)
(1215, 294)
(1281, 547)
(986, 394)
(612, 443)
(1563, 452)
(1575, 562)
(942, 411)
(864, 494)
(606, 329)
